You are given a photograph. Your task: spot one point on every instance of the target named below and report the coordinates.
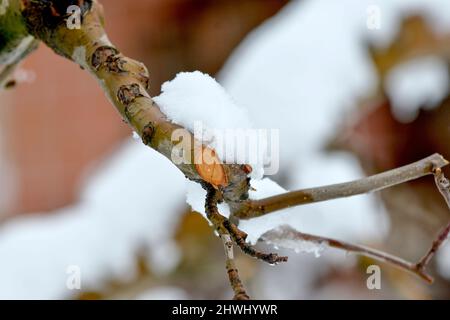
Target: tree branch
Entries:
(233, 273)
(419, 269)
(126, 83)
(443, 185)
(256, 208)
(227, 231)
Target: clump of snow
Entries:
(421, 83)
(8, 182)
(351, 218)
(285, 237)
(198, 103)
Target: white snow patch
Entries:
(13, 56)
(443, 260)
(3, 6)
(198, 103)
(258, 226)
(421, 83)
(284, 237)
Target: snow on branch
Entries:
(289, 238)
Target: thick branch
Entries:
(126, 83)
(5, 74)
(256, 208)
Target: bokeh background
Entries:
(355, 87)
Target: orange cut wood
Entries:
(209, 167)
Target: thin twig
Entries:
(418, 269)
(256, 208)
(126, 82)
(287, 233)
(443, 185)
(5, 74)
(233, 273)
(8, 69)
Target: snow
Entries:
(284, 237)
(443, 260)
(195, 96)
(421, 83)
(3, 6)
(287, 69)
(198, 103)
(120, 211)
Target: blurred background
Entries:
(355, 87)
